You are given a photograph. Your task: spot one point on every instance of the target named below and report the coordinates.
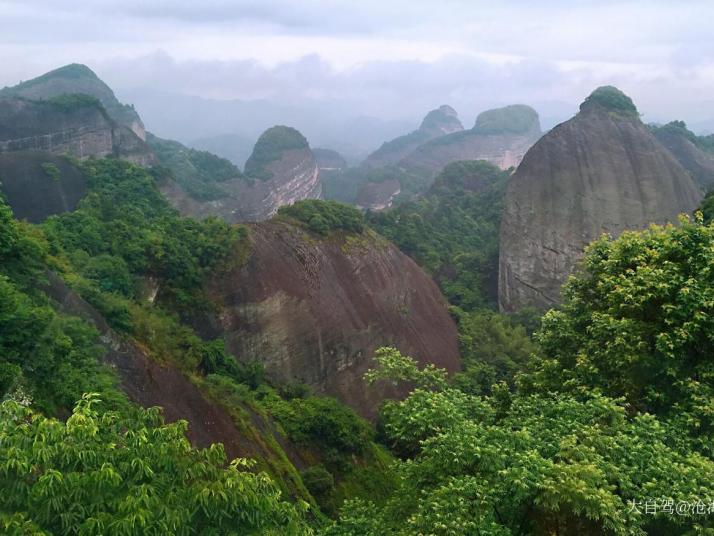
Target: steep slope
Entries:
(692, 151)
(444, 120)
(74, 124)
(314, 308)
(501, 137)
(37, 184)
(78, 79)
(329, 160)
(280, 171)
(602, 171)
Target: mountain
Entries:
(78, 79)
(313, 307)
(281, 170)
(444, 120)
(500, 136)
(695, 153)
(603, 171)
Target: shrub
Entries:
(321, 217)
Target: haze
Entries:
(352, 74)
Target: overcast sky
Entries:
(393, 58)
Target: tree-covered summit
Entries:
(270, 147)
(611, 99)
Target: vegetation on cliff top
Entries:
(270, 147)
(612, 99)
(513, 119)
(322, 217)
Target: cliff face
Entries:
(37, 184)
(315, 309)
(281, 170)
(78, 79)
(688, 149)
(601, 172)
(73, 124)
(444, 120)
(500, 136)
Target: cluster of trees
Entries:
(323, 217)
(608, 430)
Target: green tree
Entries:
(638, 322)
(99, 474)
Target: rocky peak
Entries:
(78, 79)
(695, 153)
(443, 120)
(603, 171)
(280, 171)
(437, 123)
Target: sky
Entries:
(393, 59)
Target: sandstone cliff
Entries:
(78, 79)
(601, 172)
(37, 184)
(314, 309)
(501, 137)
(693, 152)
(280, 171)
(444, 120)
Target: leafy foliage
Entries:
(637, 324)
(99, 474)
(322, 217)
(527, 464)
(125, 218)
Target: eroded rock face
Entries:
(281, 171)
(314, 310)
(378, 195)
(444, 120)
(76, 125)
(601, 172)
(36, 191)
(78, 79)
(501, 137)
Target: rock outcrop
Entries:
(78, 79)
(444, 120)
(693, 152)
(280, 171)
(314, 309)
(501, 137)
(37, 184)
(74, 124)
(602, 171)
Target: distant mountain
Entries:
(234, 147)
(281, 170)
(695, 153)
(329, 160)
(603, 171)
(500, 136)
(444, 120)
